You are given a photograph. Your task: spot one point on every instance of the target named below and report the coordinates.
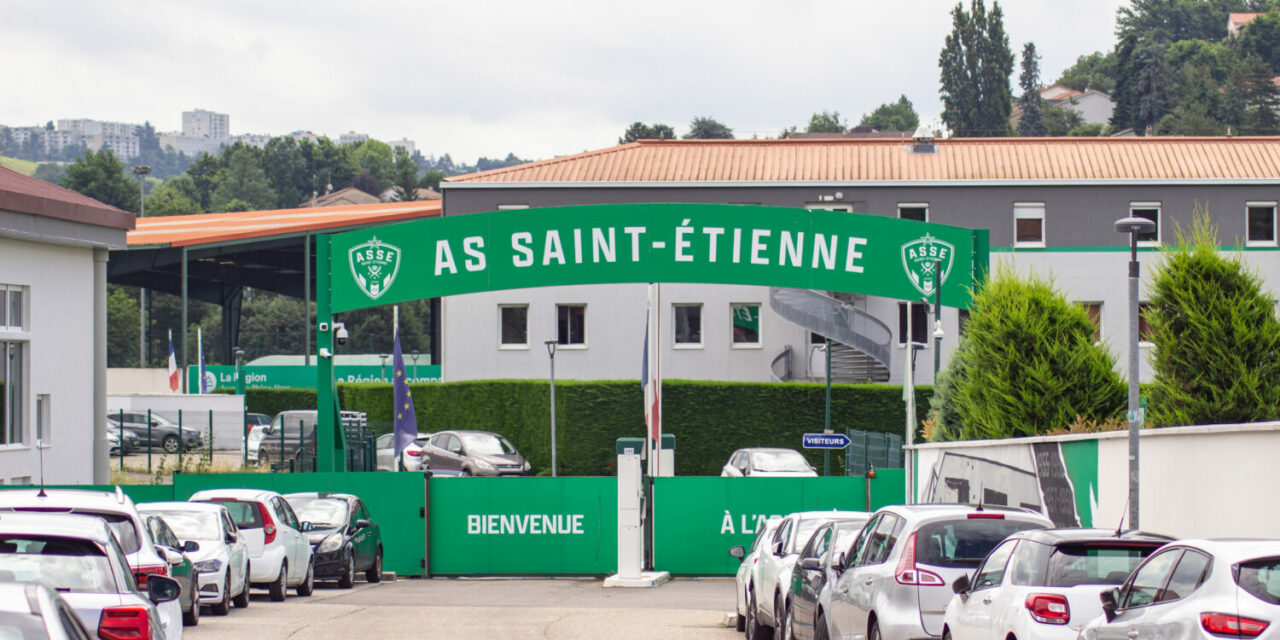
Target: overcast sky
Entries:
(483, 78)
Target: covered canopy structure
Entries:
(213, 257)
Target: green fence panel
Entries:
(519, 526)
(697, 519)
(395, 500)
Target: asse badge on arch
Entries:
(374, 265)
(922, 256)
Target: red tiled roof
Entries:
(181, 231)
(956, 159)
(24, 194)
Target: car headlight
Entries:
(330, 544)
(485, 465)
(526, 465)
(209, 566)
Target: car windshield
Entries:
(1261, 578)
(846, 533)
(21, 626)
(65, 564)
(320, 512)
(192, 525)
(1072, 565)
(487, 445)
(804, 531)
(778, 461)
(244, 514)
(964, 543)
(422, 442)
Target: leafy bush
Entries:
(1027, 364)
(1216, 337)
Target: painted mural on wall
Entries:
(1057, 479)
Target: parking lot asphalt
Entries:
(571, 609)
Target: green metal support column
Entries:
(330, 441)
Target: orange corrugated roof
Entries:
(182, 231)
(957, 159)
(1239, 18)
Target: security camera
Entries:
(340, 332)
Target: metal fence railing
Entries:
(872, 450)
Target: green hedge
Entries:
(709, 419)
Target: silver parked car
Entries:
(409, 460)
(898, 573)
(760, 462)
(33, 610)
(473, 453)
(1196, 589)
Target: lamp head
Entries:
(551, 347)
(1135, 224)
(938, 333)
(141, 170)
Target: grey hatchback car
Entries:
(473, 453)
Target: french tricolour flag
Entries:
(652, 385)
(173, 366)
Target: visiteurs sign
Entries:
(707, 243)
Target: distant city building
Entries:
(404, 143)
(1094, 107)
(207, 124)
(351, 137)
(252, 139)
(189, 145)
(303, 135)
(87, 127)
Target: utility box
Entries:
(630, 508)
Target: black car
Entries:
(161, 431)
(344, 538)
(818, 564)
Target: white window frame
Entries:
(702, 325)
(24, 410)
(585, 328)
(759, 343)
(8, 325)
(514, 346)
(512, 207)
(1028, 211)
(1275, 231)
(1159, 221)
(914, 205)
(830, 205)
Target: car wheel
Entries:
(946, 634)
(742, 623)
(348, 577)
(374, 574)
(465, 473)
(170, 444)
(874, 632)
(820, 628)
(756, 630)
(785, 622)
(192, 618)
(308, 583)
(276, 589)
(223, 606)
(242, 599)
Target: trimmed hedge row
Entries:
(709, 419)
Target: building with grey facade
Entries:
(1049, 205)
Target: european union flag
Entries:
(406, 423)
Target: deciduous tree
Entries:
(702, 128)
(642, 131)
(825, 122)
(893, 116)
(99, 175)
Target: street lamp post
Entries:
(384, 365)
(938, 334)
(414, 356)
(141, 171)
(1133, 225)
(551, 351)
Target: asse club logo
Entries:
(374, 265)
(922, 258)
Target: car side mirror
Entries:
(191, 546)
(1108, 598)
(838, 563)
(305, 526)
(232, 538)
(172, 556)
(738, 551)
(961, 585)
(811, 564)
(162, 589)
(362, 524)
(777, 548)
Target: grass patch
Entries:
(25, 167)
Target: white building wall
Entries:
(59, 359)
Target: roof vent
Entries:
(922, 140)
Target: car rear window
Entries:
(245, 514)
(1261, 578)
(65, 564)
(964, 543)
(1071, 565)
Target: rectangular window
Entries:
(43, 409)
(1028, 224)
(12, 377)
(746, 324)
(12, 303)
(1094, 311)
(1261, 223)
(919, 323)
(1144, 329)
(830, 206)
(513, 326)
(1150, 211)
(914, 211)
(571, 324)
(688, 323)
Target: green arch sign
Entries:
(622, 243)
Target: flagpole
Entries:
(199, 354)
(648, 362)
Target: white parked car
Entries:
(767, 600)
(1196, 589)
(213, 542)
(279, 553)
(411, 459)
(32, 610)
(749, 569)
(1043, 584)
(767, 463)
(144, 557)
(80, 557)
(253, 442)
